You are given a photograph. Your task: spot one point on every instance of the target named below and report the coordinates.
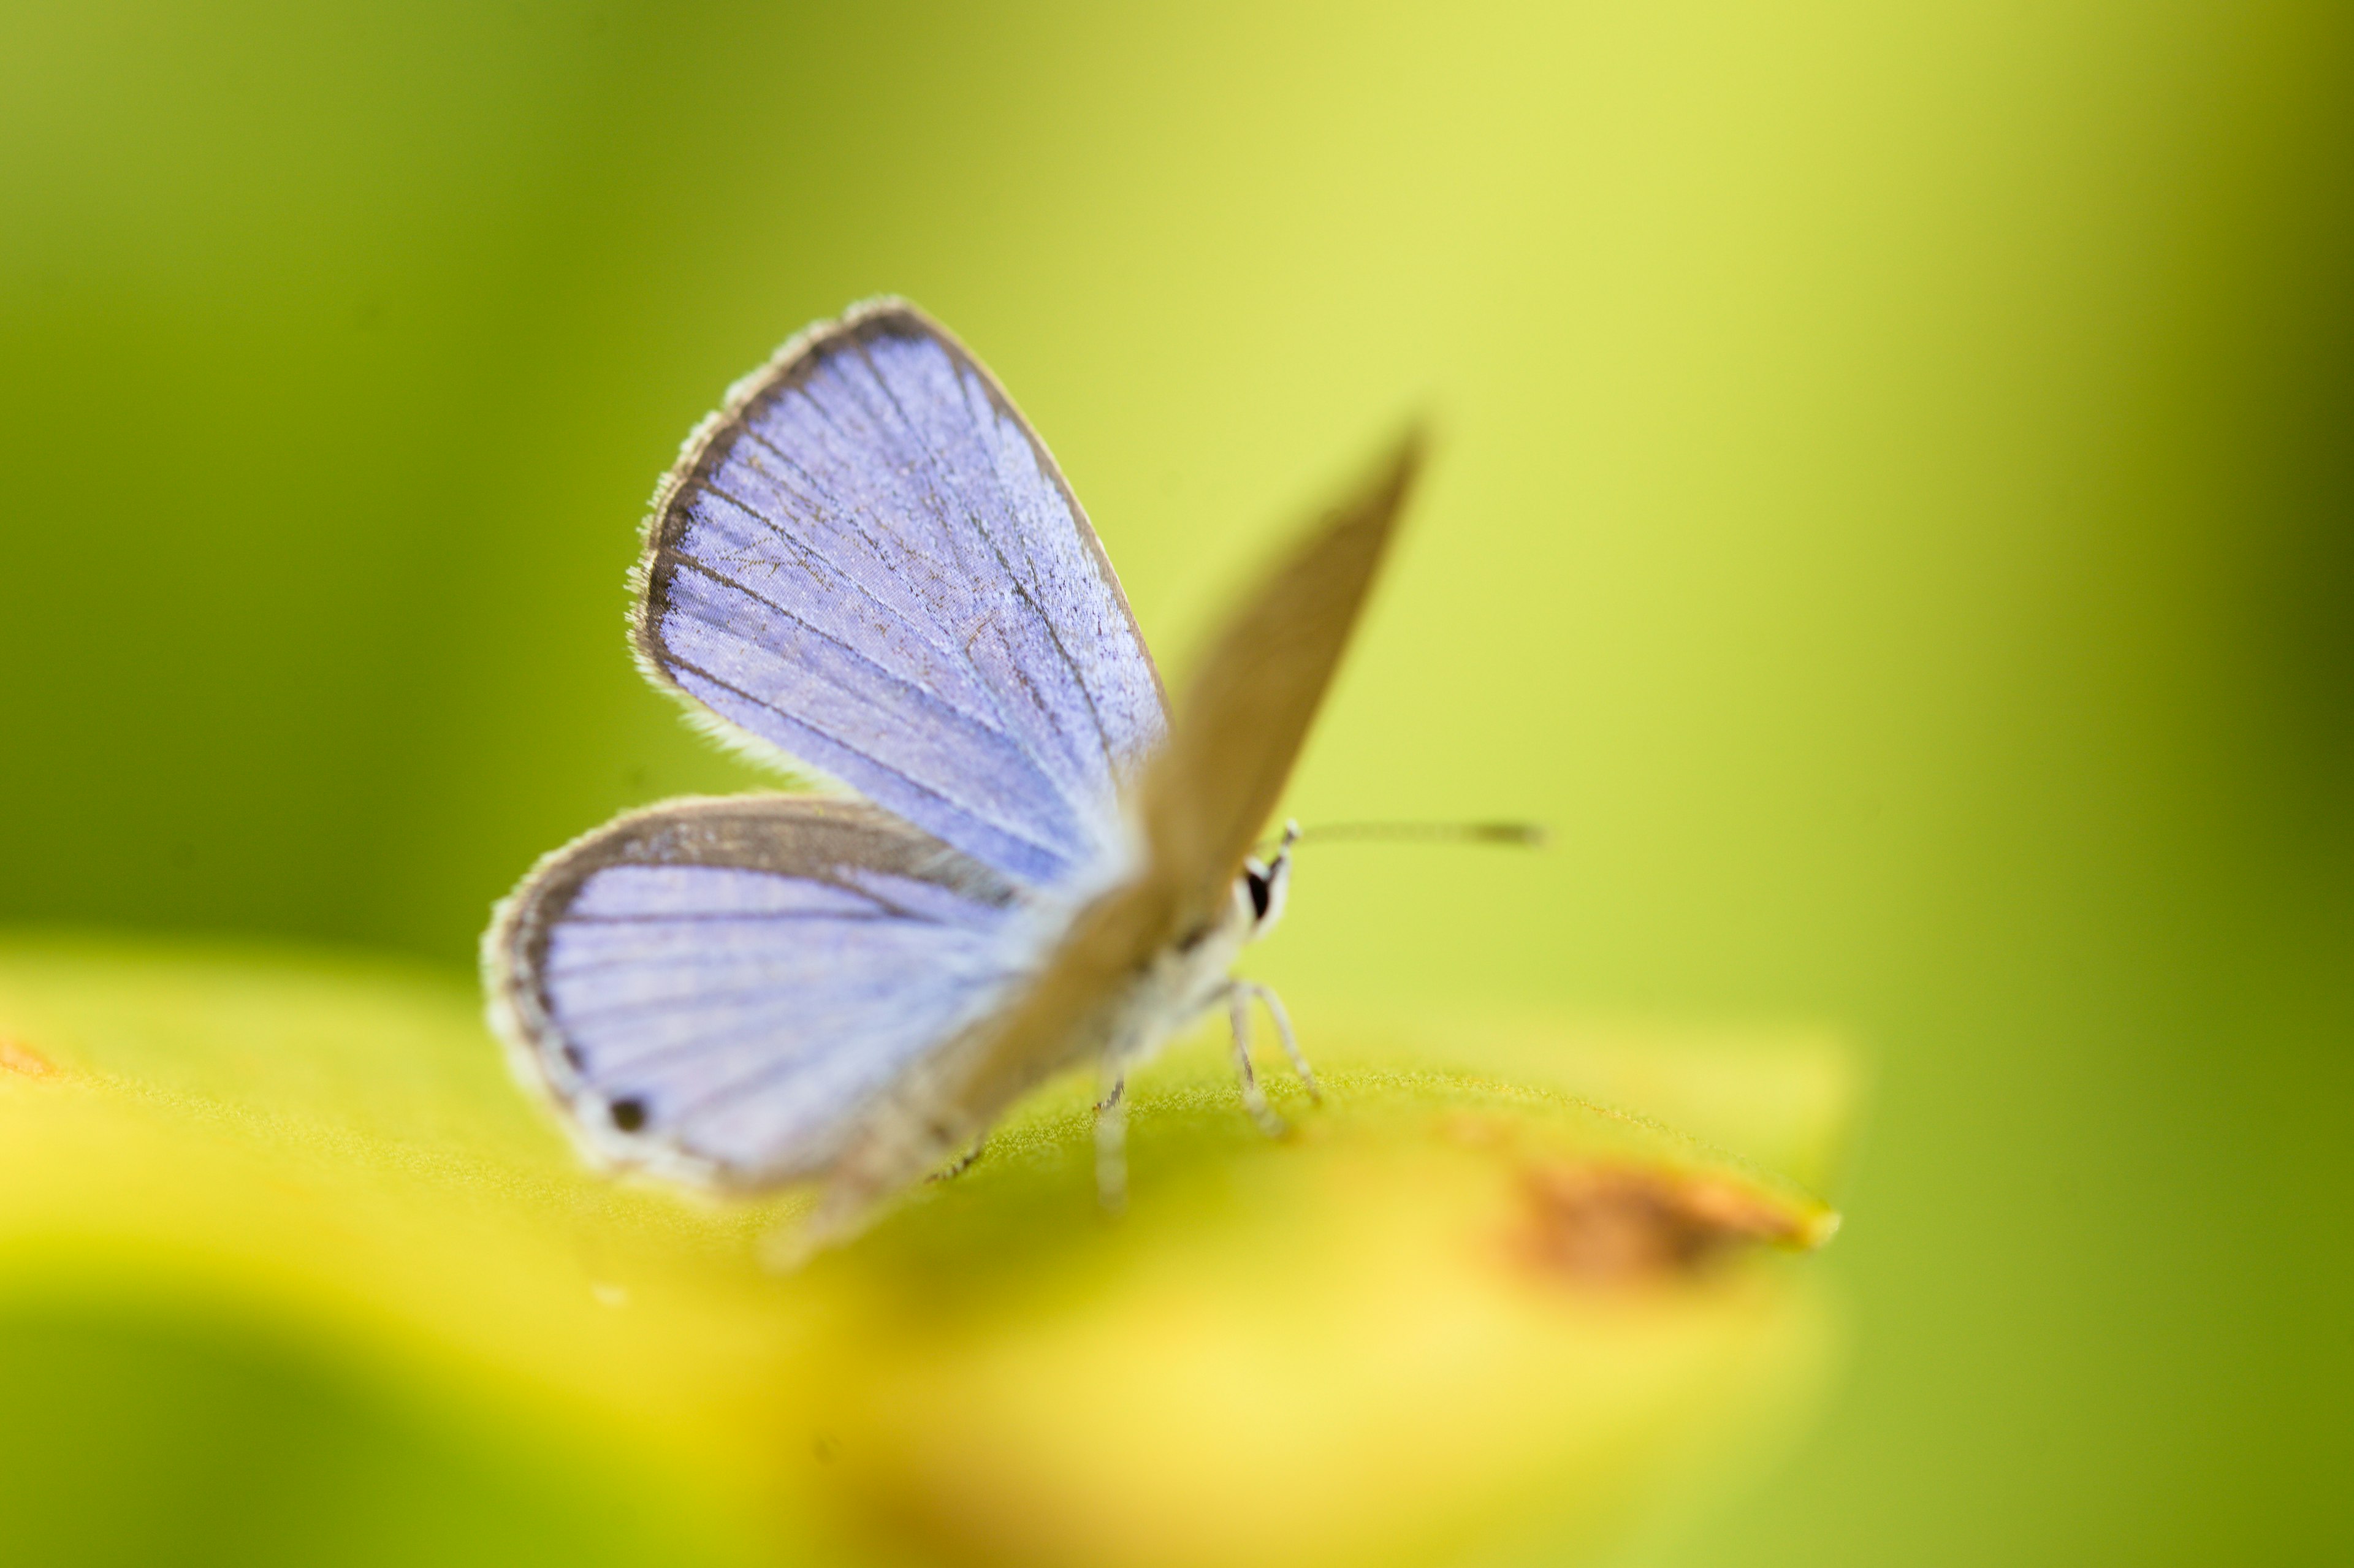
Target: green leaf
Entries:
(1471, 1304)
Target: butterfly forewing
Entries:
(871, 564)
(718, 988)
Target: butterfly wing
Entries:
(717, 989)
(869, 563)
(1204, 802)
(1209, 794)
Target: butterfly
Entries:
(867, 566)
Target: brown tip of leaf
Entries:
(1618, 1225)
(18, 1057)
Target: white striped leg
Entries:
(1111, 1148)
(1238, 1001)
(1283, 1033)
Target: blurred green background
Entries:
(1895, 520)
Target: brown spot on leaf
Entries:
(18, 1057)
(1626, 1226)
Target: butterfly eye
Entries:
(1262, 892)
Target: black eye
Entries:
(629, 1115)
(1259, 893)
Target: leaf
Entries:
(1457, 1309)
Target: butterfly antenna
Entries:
(1526, 835)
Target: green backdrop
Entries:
(1893, 520)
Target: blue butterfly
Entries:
(868, 567)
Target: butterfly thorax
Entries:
(1183, 977)
(933, 1115)
(1173, 989)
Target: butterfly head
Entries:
(1266, 881)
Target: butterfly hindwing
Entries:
(870, 563)
(717, 989)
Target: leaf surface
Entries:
(1460, 1310)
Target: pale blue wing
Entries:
(719, 989)
(870, 563)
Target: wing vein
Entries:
(945, 492)
(883, 556)
(706, 570)
(832, 740)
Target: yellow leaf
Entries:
(1460, 1309)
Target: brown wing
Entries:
(1207, 796)
(1204, 801)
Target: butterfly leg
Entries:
(1111, 1147)
(962, 1163)
(1283, 1033)
(1238, 1001)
